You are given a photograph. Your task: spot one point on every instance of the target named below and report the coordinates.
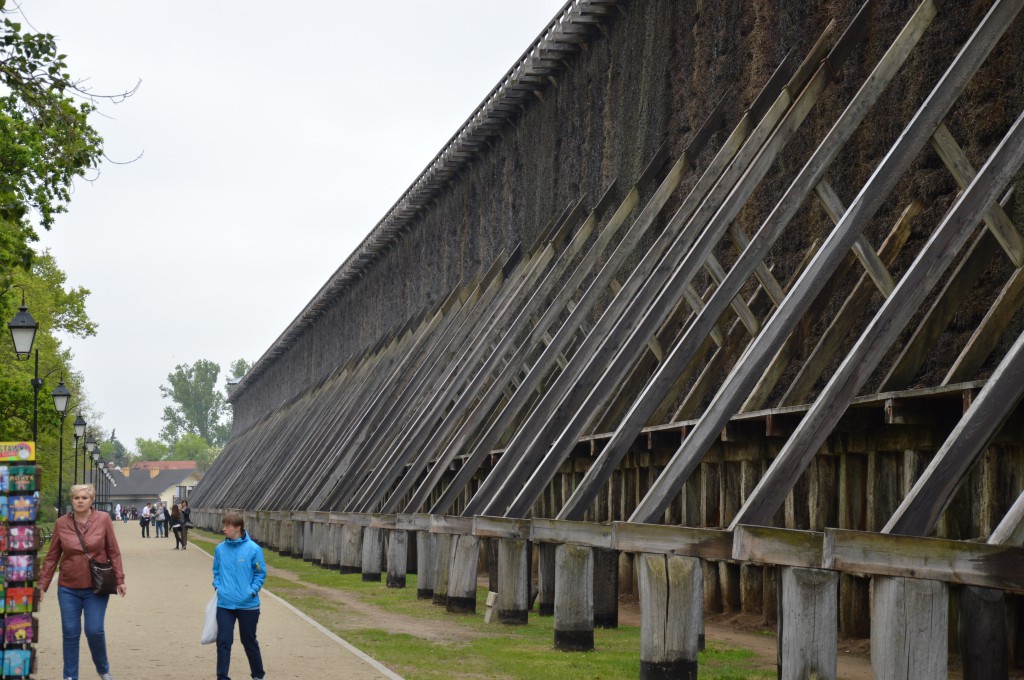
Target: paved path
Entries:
(154, 631)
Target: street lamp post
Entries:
(79, 433)
(96, 471)
(90, 446)
(61, 396)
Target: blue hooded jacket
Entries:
(238, 573)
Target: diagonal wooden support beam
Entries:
(609, 356)
(871, 262)
(693, 340)
(937, 254)
(871, 197)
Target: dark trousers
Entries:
(144, 523)
(178, 542)
(247, 620)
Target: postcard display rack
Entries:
(19, 562)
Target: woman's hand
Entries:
(122, 590)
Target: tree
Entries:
(151, 449)
(45, 138)
(193, 447)
(198, 407)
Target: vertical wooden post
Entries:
(909, 627)
(982, 634)
(462, 576)
(574, 598)
(332, 551)
(398, 555)
(606, 588)
(298, 529)
(307, 541)
(809, 623)
(373, 551)
(351, 549)
(671, 615)
(444, 565)
(426, 564)
(546, 579)
(513, 602)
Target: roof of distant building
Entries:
(152, 484)
(164, 465)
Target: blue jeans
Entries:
(73, 603)
(247, 620)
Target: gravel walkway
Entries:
(154, 631)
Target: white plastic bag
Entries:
(210, 623)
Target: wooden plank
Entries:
(419, 522)
(578, 533)
(513, 602)
(768, 545)
(961, 562)
(710, 544)
(680, 355)
(873, 265)
(382, 521)
(449, 524)
(500, 527)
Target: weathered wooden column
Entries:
(319, 533)
(513, 578)
(307, 537)
(298, 528)
(284, 544)
(982, 633)
(443, 556)
(352, 542)
(909, 628)
(398, 557)
(808, 623)
(462, 572)
(373, 552)
(574, 598)
(546, 579)
(606, 588)
(332, 549)
(671, 615)
(426, 556)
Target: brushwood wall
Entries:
(649, 77)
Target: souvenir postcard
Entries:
(3, 509)
(18, 538)
(21, 568)
(21, 478)
(20, 600)
(18, 629)
(21, 508)
(5, 476)
(17, 452)
(17, 663)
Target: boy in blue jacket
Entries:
(238, 574)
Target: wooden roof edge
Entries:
(417, 195)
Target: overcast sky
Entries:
(273, 137)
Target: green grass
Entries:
(484, 650)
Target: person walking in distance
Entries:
(79, 536)
(186, 524)
(238, 575)
(176, 526)
(144, 520)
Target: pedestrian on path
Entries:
(144, 520)
(160, 514)
(176, 527)
(74, 535)
(238, 575)
(186, 524)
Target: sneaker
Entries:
(106, 676)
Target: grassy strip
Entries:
(483, 650)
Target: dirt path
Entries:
(154, 631)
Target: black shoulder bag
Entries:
(103, 580)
